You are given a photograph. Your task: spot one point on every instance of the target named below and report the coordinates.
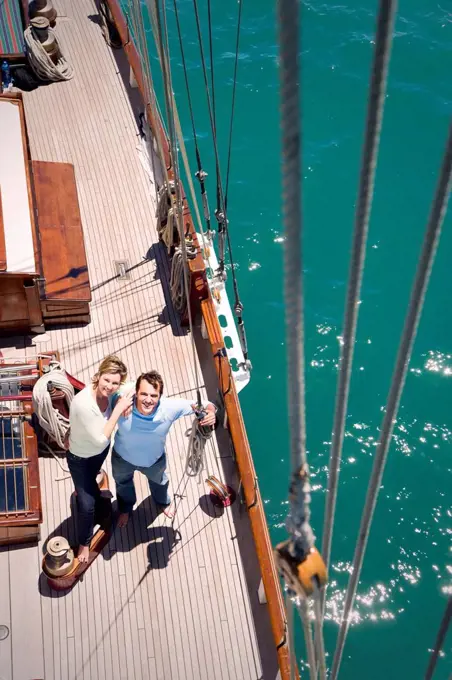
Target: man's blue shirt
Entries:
(141, 439)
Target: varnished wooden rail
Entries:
(2, 238)
(201, 298)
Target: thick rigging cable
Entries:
(163, 40)
(377, 92)
(415, 307)
(151, 99)
(298, 519)
(212, 71)
(231, 123)
(238, 306)
(442, 632)
(220, 212)
(222, 224)
(180, 137)
(200, 174)
(299, 550)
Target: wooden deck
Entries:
(161, 601)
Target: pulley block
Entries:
(300, 574)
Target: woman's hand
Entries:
(125, 403)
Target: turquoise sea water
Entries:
(408, 568)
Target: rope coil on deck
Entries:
(50, 419)
(177, 284)
(196, 455)
(41, 62)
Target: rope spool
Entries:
(50, 419)
(43, 8)
(59, 557)
(178, 296)
(43, 52)
(166, 218)
(47, 39)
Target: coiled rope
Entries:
(50, 419)
(40, 61)
(177, 283)
(196, 456)
(166, 219)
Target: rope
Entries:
(298, 519)
(290, 629)
(201, 174)
(169, 99)
(219, 208)
(180, 137)
(237, 41)
(443, 628)
(40, 61)
(177, 284)
(220, 213)
(196, 455)
(166, 219)
(151, 99)
(383, 42)
(302, 606)
(44, 447)
(318, 630)
(299, 515)
(50, 419)
(238, 306)
(212, 72)
(415, 306)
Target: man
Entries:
(140, 442)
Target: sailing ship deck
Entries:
(161, 601)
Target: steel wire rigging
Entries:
(300, 565)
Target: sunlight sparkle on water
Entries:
(436, 362)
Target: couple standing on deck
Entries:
(143, 417)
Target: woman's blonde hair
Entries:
(111, 364)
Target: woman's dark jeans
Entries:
(84, 472)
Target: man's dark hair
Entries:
(152, 377)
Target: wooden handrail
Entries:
(2, 238)
(201, 299)
(250, 486)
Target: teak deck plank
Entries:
(6, 652)
(147, 609)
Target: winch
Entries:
(59, 558)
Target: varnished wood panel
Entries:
(63, 256)
(2, 238)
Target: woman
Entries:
(92, 421)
